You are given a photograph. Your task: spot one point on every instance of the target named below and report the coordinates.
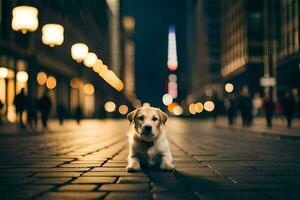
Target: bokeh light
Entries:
(167, 99)
(51, 82)
(90, 59)
(88, 89)
(3, 72)
(209, 106)
(199, 107)
(79, 51)
(41, 78)
(123, 109)
(177, 110)
(229, 87)
(192, 108)
(22, 76)
(110, 106)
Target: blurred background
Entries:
(192, 58)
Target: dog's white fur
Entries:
(158, 153)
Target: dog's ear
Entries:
(163, 116)
(131, 115)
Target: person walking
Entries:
(230, 105)
(60, 113)
(32, 112)
(246, 107)
(45, 105)
(289, 106)
(269, 107)
(78, 114)
(1, 107)
(20, 103)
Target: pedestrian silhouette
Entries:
(32, 112)
(1, 107)
(246, 107)
(269, 107)
(20, 103)
(60, 113)
(230, 104)
(289, 106)
(45, 105)
(78, 114)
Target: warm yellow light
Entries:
(41, 78)
(88, 89)
(177, 110)
(111, 78)
(75, 83)
(24, 18)
(22, 76)
(110, 106)
(229, 87)
(53, 34)
(128, 23)
(90, 59)
(192, 108)
(209, 106)
(199, 107)
(167, 99)
(51, 82)
(97, 66)
(102, 70)
(79, 51)
(3, 72)
(123, 109)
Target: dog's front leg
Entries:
(133, 164)
(166, 163)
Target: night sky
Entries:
(151, 42)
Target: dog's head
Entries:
(147, 122)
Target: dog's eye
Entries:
(154, 118)
(141, 118)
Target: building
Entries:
(242, 37)
(27, 63)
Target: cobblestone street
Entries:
(88, 162)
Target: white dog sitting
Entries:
(148, 144)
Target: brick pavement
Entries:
(211, 163)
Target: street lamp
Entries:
(53, 34)
(88, 89)
(90, 59)
(22, 76)
(3, 72)
(24, 19)
(229, 87)
(79, 51)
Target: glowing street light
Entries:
(167, 99)
(90, 59)
(192, 109)
(3, 72)
(177, 110)
(110, 106)
(229, 87)
(53, 34)
(41, 78)
(209, 106)
(24, 18)
(22, 76)
(79, 51)
(123, 109)
(199, 107)
(88, 89)
(51, 82)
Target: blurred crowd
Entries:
(249, 107)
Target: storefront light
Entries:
(53, 34)
(24, 18)
(90, 59)
(22, 76)
(79, 51)
(3, 72)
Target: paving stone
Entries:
(112, 174)
(128, 195)
(95, 180)
(172, 196)
(52, 180)
(127, 179)
(125, 187)
(85, 165)
(73, 195)
(77, 187)
(58, 174)
(108, 169)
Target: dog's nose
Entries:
(147, 128)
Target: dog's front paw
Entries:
(167, 167)
(133, 168)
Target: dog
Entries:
(148, 144)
